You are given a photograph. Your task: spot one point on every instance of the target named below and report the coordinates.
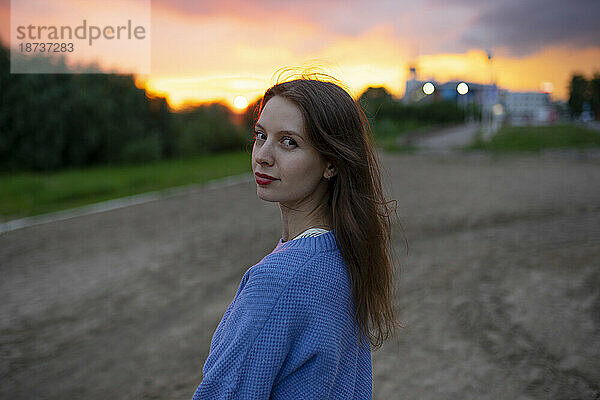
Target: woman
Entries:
(304, 318)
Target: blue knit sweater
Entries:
(289, 333)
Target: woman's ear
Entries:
(330, 171)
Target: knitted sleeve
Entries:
(282, 326)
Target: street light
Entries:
(462, 88)
(497, 109)
(428, 88)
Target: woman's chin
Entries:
(261, 193)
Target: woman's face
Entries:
(282, 151)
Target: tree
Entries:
(209, 129)
(595, 94)
(51, 121)
(372, 99)
(577, 94)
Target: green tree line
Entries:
(53, 121)
(581, 91)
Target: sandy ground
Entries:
(499, 288)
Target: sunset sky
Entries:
(217, 50)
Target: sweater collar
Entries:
(322, 242)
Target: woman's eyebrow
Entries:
(286, 131)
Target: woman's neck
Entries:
(294, 223)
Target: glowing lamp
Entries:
(497, 109)
(462, 88)
(428, 88)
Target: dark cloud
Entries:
(524, 27)
(243, 8)
(520, 26)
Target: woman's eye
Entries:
(291, 142)
(257, 135)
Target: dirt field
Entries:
(499, 291)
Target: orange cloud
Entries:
(236, 66)
(552, 64)
(375, 58)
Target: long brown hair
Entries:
(339, 130)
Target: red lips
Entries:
(265, 176)
(264, 179)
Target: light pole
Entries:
(489, 99)
(462, 89)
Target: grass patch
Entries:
(389, 128)
(388, 133)
(392, 144)
(535, 138)
(27, 194)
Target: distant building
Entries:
(527, 108)
(414, 92)
(515, 108)
(449, 91)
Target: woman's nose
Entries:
(264, 154)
